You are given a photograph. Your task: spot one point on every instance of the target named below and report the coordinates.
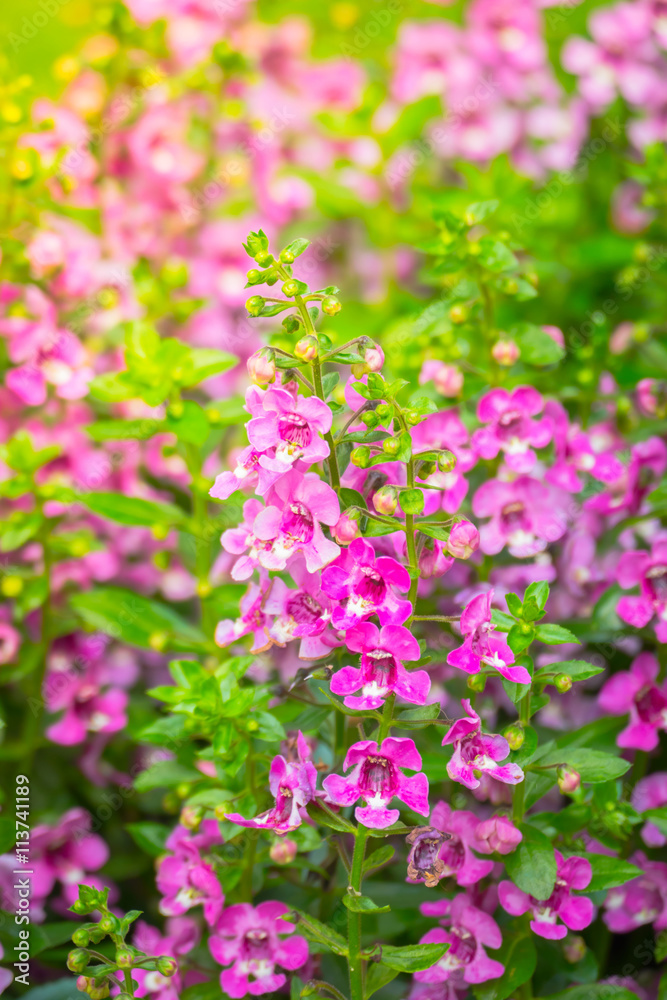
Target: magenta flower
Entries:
(249, 472)
(456, 854)
(648, 571)
(65, 853)
(241, 541)
(470, 932)
(524, 514)
(293, 785)
(299, 506)
(483, 646)
(304, 613)
(477, 753)
(640, 901)
(88, 706)
(254, 941)
(381, 671)
(651, 793)
(252, 621)
(186, 877)
(366, 586)
(499, 834)
(290, 426)
(636, 692)
(512, 429)
(377, 778)
(580, 451)
(181, 936)
(10, 641)
(575, 912)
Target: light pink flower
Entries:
(254, 941)
(651, 793)
(648, 571)
(476, 752)
(643, 900)
(252, 620)
(635, 691)
(377, 778)
(298, 507)
(512, 429)
(291, 428)
(499, 834)
(525, 515)
(181, 936)
(381, 671)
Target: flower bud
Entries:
(412, 501)
(253, 276)
(383, 411)
(191, 817)
(361, 457)
(167, 965)
(11, 586)
(345, 530)
(290, 288)
(515, 735)
(446, 460)
(499, 834)
(264, 258)
(505, 352)
(370, 418)
(82, 983)
(283, 851)
(569, 780)
(424, 863)
(286, 257)
(306, 348)
(574, 949)
(254, 305)
(476, 682)
(463, 540)
(108, 923)
(98, 992)
(80, 937)
(385, 500)
(562, 683)
(331, 305)
(158, 641)
(459, 314)
(372, 359)
(448, 380)
(391, 446)
(262, 366)
(77, 960)
(124, 958)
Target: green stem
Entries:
(519, 791)
(387, 718)
(334, 474)
(354, 919)
(127, 976)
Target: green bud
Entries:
(286, 257)
(412, 501)
(562, 683)
(370, 418)
(77, 960)
(253, 276)
(80, 937)
(331, 305)
(391, 446)
(254, 305)
(458, 314)
(476, 682)
(264, 258)
(124, 958)
(166, 965)
(515, 735)
(107, 924)
(361, 457)
(290, 288)
(446, 460)
(383, 411)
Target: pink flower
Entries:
(499, 834)
(186, 878)
(651, 793)
(512, 430)
(298, 506)
(293, 785)
(365, 586)
(381, 671)
(377, 778)
(636, 692)
(181, 936)
(10, 641)
(476, 752)
(448, 379)
(643, 900)
(463, 540)
(304, 613)
(76, 684)
(290, 426)
(253, 941)
(575, 912)
(249, 472)
(483, 646)
(525, 515)
(648, 571)
(471, 930)
(626, 493)
(445, 429)
(252, 621)
(457, 852)
(580, 451)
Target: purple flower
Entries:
(366, 586)
(625, 494)
(640, 901)
(651, 793)
(455, 855)
(293, 785)
(525, 515)
(182, 935)
(186, 878)
(636, 692)
(499, 834)
(377, 778)
(470, 931)
(512, 429)
(580, 451)
(289, 428)
(483, 646)
(575, 912)
(304, 613)
(252, 621)
(253, 941)
(476, 753)
(381, 671)
(648, 571)
(298, 506)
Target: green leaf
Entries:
(434, 531)
(133, 510)
(609, 872)
(413, 957)
(137, 620)
(363, 904)
(124, 430)
(382, 856)
(553, 635)
(519, 639)
(578, 670)
(329, 818)
(532, 866)
(519, 956)
(539, 591)
(7, 834)
(377, 976)
(315, 930)
(477, 211)
(191, 426)
(164, 774)
(150, 837)
(593, 991)
(495, 256)
(658, 817)
(594, 766)
(296, 247)
(536, 346)
(502, 621)
(207, 361)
